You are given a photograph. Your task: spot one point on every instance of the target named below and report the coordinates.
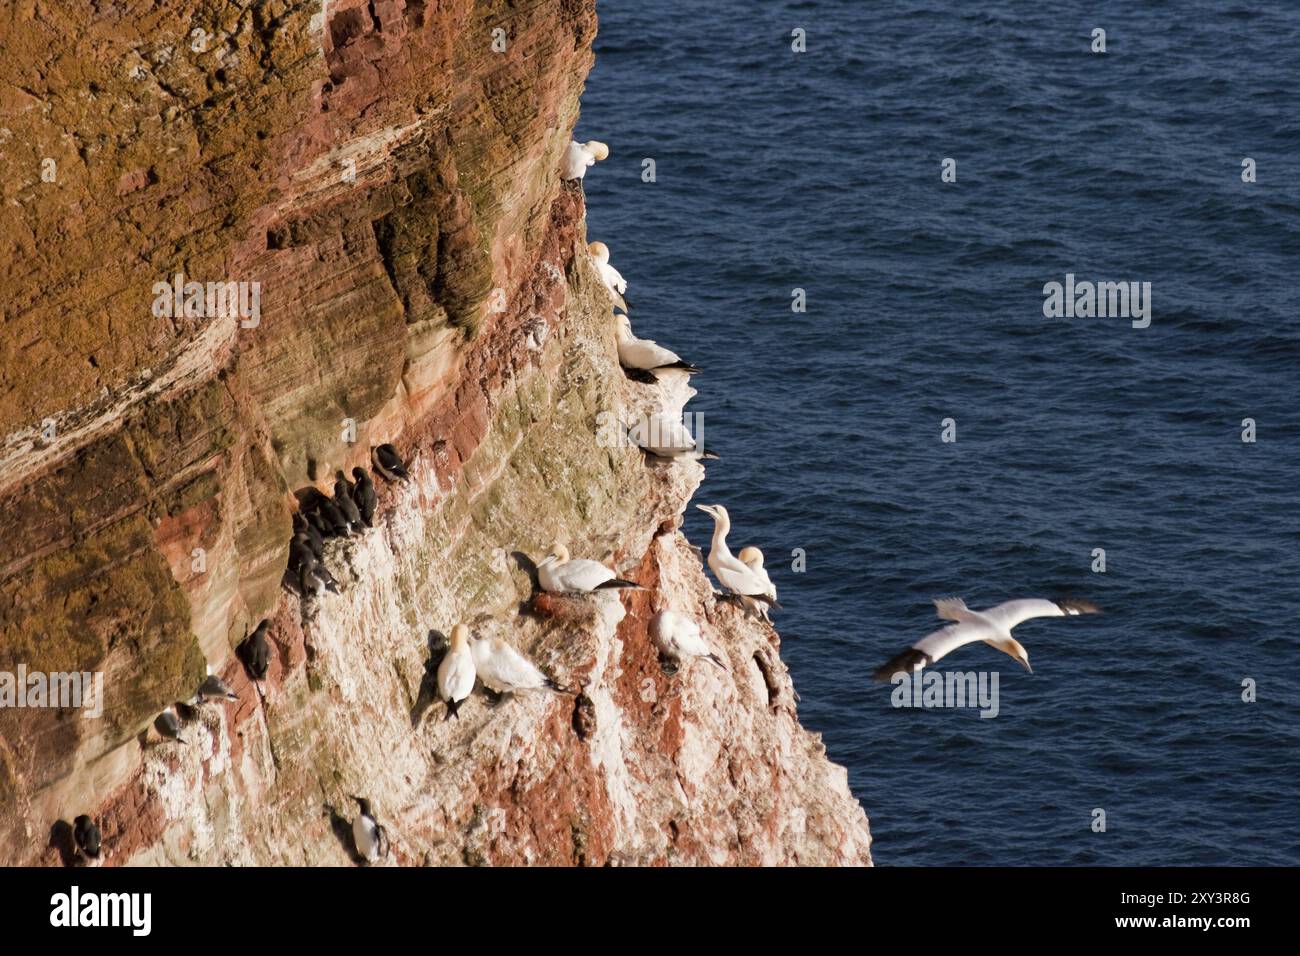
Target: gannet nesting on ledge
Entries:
(645, 355)
(754, 559)
(665, 436)
(612, 278)
(678, 638)
(557, 574)
(456, 672)
(579, 156)
(992, 626)
(503, 669)
(753, 589)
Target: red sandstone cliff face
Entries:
(388, 179)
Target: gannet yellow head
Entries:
(718, 512)
(1017, 650)
(597, 149)
(599, 251)
(559, 554)
(459, 637)
(751, 556)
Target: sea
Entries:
(847, 213)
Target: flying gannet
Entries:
(456, 672)
(678, 637)
(754, 589)
(503, 669)
(370, 838)
(612, 278)
(665, 436)
(557, 574)
(645, 355)
(581, 155)
(992, 626)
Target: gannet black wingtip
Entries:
(908, 662)
(617, 583)
(1077, 606)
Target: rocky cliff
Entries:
(386, 172)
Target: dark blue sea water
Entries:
(821, 171)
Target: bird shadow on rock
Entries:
(428, 693)
(529, 567)
(61, 839)
(341, 827)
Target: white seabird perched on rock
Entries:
(992, 626)
(370, 838)
(579, 156)
(665, 436)
(645, 355)
(754, 558)
(612, 278)
(558, 575)
(456, 672)
(753, 589)
(503, 669)
(678, 637)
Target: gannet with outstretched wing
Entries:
(992, 626)
(645, 355)
(754, 589)
(579, 156)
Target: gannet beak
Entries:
(1027, 667)
(707, 509)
